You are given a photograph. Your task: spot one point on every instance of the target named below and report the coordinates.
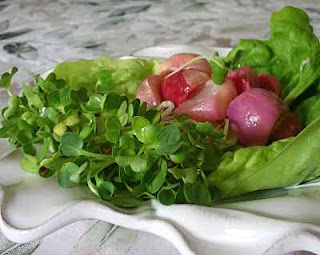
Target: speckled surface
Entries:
(37, 34)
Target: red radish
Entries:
(149, 90)
(244, 78)
(288, 125)
(253, 115)
(180, 85)
(177, 60)
(269, 82)
(210, 103)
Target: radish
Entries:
(288, 125)
(244, 78)
(180, 85)
(269, 82)
(178, 60)
(253, 115)
(210, 103)
(149, 90)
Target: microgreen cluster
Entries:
(124, 152)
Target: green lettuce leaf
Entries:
(292, 53)
(308, 110)
(127, 74)
(285, 162)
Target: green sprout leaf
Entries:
(28, 148)
(24, 136)
(127, 142)
(55, 162)
(105, 82)
(211, 158)
(113, 101)
(188, 175)
(59, 129)
(29, 117)
(71, 144)
(30, 164)
(105, 189)
(206, 128)
(59, 99)
(197, 193)
(167, 196)
(155, 180)
(126, 202)
(69, 174)
(144, 131)
(167, 140)
(5, 80)
(13, 107)
(113, 126)
(95, 103)
(122, 113)
(219, 69)
(32, 97)
(139, 164)
(180, 155)
(43, 151)
(72, 119)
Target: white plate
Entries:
(32, 207)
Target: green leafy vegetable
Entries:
(197, 193)
(113, 127)
(166, 196)
(105, 189)
(285, 162)
(105, 81)
(308, 110)
(189, 175)
(107, 74)
(5, 80)
(71, 145)
(83, 132)
(126, 202)
(32, 97)
(69, 174)
(219, 69)
(206, 128)
(292, 53)
(167, 140)
(95, 103)
(30, 164)
(155, 179)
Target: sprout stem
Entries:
(95, 155)
(184, 66)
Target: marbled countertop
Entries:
(37, 34)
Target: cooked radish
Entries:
(210, 103)
(288, 125)
(253, 115)
(179, 86)
(178, 60)
(269, 82)
(149, 90)
(244, 78)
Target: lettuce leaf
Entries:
(292, 53)
(308, 110)
(283, 163)
(126, 73)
